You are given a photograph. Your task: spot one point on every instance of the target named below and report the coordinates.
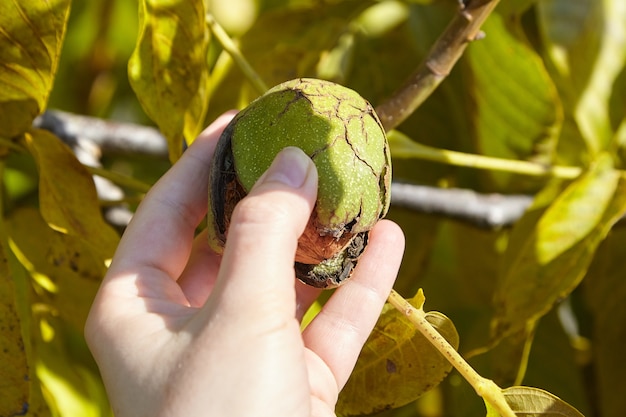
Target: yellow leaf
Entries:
(168, 69)
(67, 195)
(397, 364)
(534, 402)
(65, 269)
(59, 361)
(73, 385)
(31, 35)
(14, 379)
(20, 390)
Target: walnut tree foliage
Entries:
(542, 95)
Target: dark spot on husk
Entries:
(336, 270)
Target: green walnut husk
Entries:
(342, 134)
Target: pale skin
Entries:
(178, 330)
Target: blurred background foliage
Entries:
(547, 84)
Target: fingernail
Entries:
(290, 167)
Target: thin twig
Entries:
(119, 179)
(230, 47)
(485, 388)
(443, 55)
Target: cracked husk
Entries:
(341, 133)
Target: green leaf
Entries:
(397, 364)
(605, 292)
(168, 69)
(31, 36)
(67, 195)
(517, 113)
(550, 250)
(564, 352)
(584, 41)
(14, 373)
(534, 402)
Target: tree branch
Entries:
(486, 211)
(464, 28)
(110, 137)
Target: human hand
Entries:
(178, 330)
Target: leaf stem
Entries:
(119, 179)
(232, 49)
(11, 145)
(485, 388)
(464, 28)
(403, 147)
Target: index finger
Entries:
(337, 334)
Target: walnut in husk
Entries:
(341, 133)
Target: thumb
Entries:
(256, 274)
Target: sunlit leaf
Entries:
(585, 42)
(20, 390)
(64, 268)
(14, 379)
(168, 69)
(65, 276)
(66, 371)
(534, 402)
(517, 113)
(31, 36)
(605, 292)
(397, 364)
(67, 194)
(551, 254)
